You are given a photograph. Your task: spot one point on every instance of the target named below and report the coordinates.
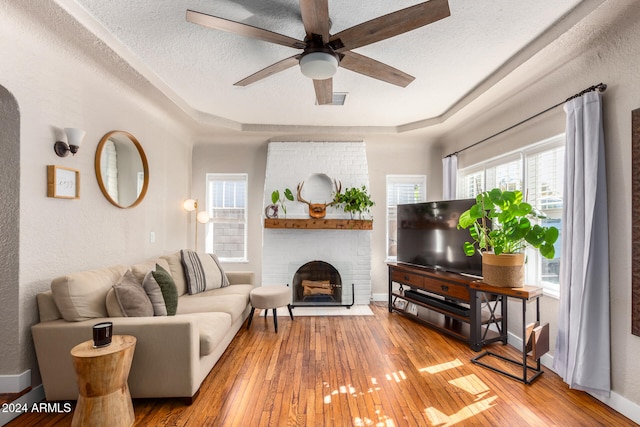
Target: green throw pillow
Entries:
(168, 288)
(153, 290)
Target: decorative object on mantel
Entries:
(271, 211)
(63, 183)
(319, 210)
(355, 200)
(511, 233)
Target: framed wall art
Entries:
(63, 183)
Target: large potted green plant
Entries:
(355, 200)
(502, 226)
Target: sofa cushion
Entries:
(82, 296)
(206, 302)
(177, 272)
(212, 328)
(140, 270)
(234, 290)
(132, 298)
(202, 271)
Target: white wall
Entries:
(57, 86)
(606, 47)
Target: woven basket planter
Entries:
(504, 270)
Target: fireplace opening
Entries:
(318, 283)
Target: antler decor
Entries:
(319, 210)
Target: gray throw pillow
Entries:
(168, 289)
(132, 298)
(152, 288)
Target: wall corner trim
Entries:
(15, 383)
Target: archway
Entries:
(10, 232)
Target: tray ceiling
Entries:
(197, 66)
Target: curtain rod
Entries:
(600, 87)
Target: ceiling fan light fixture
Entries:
(319, 65)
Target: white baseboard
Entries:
(621, 404)
(380, 297)
(15, 383)
(26, 400)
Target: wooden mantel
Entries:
(319, 224)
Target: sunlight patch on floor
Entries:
(383, 421)
(396, 376)
(472, 385)
(438, 418)
(442, 367)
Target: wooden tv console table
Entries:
(452, 305)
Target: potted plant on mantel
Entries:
(272, 210)
(502, 225)
(355, 200)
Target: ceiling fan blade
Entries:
(315, 16)
(324, 91)
(390, 25)
(270, 70)
(222, 24)
(376, 69)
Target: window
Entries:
(226, 231)
(537, 171)
(401, 189)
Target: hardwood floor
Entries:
(382, 370)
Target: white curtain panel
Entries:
(449, 177)
(582, 353)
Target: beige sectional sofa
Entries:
(173, 354)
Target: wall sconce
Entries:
(202, 217)
(74, 139)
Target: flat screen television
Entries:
(428, 236)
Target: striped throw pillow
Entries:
(202, 271)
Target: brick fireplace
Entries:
(284, 251)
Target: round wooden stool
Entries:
(102, 375)
(270, 297)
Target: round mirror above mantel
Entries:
(121, 169)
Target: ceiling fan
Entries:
(322, 52)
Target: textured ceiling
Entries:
(197, 67)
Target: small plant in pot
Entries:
(502, 226)
(355, 200)
(277, 200)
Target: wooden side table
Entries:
(525, 295)
(102, 375)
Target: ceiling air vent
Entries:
(338, 98)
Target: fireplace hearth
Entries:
(318, 283)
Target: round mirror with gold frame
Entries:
(121, 169)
